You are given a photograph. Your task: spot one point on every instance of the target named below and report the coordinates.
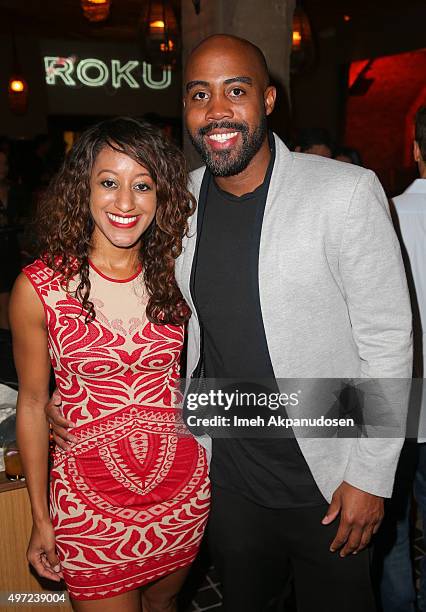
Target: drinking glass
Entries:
(12, 461)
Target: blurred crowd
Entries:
(25, 170)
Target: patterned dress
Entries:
(130, 501)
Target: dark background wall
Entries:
(34, 121)
(320, 97)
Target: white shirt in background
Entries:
(411, 209)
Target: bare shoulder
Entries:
(30, 343)
(25, 305)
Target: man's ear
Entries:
(269, 98)
(416, 152)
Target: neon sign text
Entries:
(93, 72)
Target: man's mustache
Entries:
(223, 125)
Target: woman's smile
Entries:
(122, 221)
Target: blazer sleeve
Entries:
(378, 303)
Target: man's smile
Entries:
(223, 137)
(221, 140)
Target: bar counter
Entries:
(15, 573)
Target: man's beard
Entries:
(229, 163)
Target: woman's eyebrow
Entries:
(114, 172)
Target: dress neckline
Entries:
(115, 280)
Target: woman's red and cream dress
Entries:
(129, 502)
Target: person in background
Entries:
(41, 165)
(348, 155)
(4, 144)
(316, 141)
(393, 552)
(129, 503)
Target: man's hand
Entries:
(360, 516)
(60, 426)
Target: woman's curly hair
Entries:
(65, 223)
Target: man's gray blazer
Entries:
(333, 297)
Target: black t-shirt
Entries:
(269, 471)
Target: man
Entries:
(291, 269)
(393, 552)
(316, 141)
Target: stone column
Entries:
(266, 23)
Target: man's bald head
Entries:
(227, 98)
(226, 43)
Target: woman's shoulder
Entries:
(42, 278)
(26, 304)
(38, 269)
(45, 277)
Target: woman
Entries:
(129, 502)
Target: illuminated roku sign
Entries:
(93, 72)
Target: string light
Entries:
(297, 39)
(18, 95)
(161, 34)
(96, 10)
(302, 48)
(17, 85)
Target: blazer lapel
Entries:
(185, 268)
